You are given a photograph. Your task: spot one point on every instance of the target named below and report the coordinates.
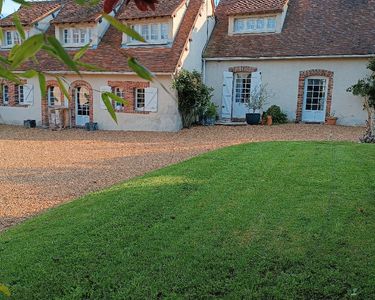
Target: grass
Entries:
(263, 221)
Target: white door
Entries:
(315, 98)
(226, 108)
(82, 101)
(242, 90)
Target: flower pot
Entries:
(208, 121)
(269, 120)
(91, 126)
(331, 121)
(253, 118)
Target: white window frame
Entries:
(252, 24)
(70, 34)
(119, 92)
(5, 94)
(146, 31)
(11, 38)
(20, 95)
(138, 92)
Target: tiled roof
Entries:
(72, 12)
(311, 28)
(110, 56)
(163, 8)
(253, 6)
(32, 13)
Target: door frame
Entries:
(72, 104)
(301, 88)
(305, 98)
(234, 93)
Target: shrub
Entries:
(278, 117)
(193, 96)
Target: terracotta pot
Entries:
(331, 121)
(269, 120)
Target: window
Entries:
(243, 87)
(255, 25)
(157, 33)
(315, 93)
(119, 106)
(139, 99)
(19, 94)
(5, 91)
(54, 96)
(76, 36)
(12, 38)
(82, 98)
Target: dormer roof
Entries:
(72, 12)
(246, 7)
(164, 8)
(32, 13)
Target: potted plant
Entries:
(331, 119)
(210, 114)
(258, 98)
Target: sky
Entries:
(9, 7)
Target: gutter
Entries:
(286, 57)
(100, 73)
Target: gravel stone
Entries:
(40, 169)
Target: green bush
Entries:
(194, 97)
(278, 117)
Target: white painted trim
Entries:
(286, 57)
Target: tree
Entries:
(365, 88)
(193, 96)
(30, 47)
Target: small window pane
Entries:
(164, 31)
(271, 24)
(260, 24)
(250, 24)
(239, 25)
(76, 36)
(83, 36)
(144, 32)
(154, 32)
(9, 38)
(140, 99)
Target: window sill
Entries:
(134, 112)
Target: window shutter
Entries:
(256, 81)
(104, 89)
(28, 93)
(226, 109)
(151, 99)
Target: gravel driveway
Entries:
(40, 169)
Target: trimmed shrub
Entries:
(278, 117)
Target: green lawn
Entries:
(265, 221)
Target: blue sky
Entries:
(9, 7)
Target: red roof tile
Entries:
(32, 13)
(254, 6)
(163, 8)
(311, 28)
(111, 57)
(72, 12)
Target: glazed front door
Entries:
(315, 98)
(82, 101)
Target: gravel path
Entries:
(40, 169)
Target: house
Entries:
(175, 33)
(306, 52)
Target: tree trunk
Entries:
(370, 117)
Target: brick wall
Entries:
(129, 87)
(11, 92)
(301, 89)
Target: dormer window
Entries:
(156, 33)
(255, 25)
(76, 37)
(12, 38)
